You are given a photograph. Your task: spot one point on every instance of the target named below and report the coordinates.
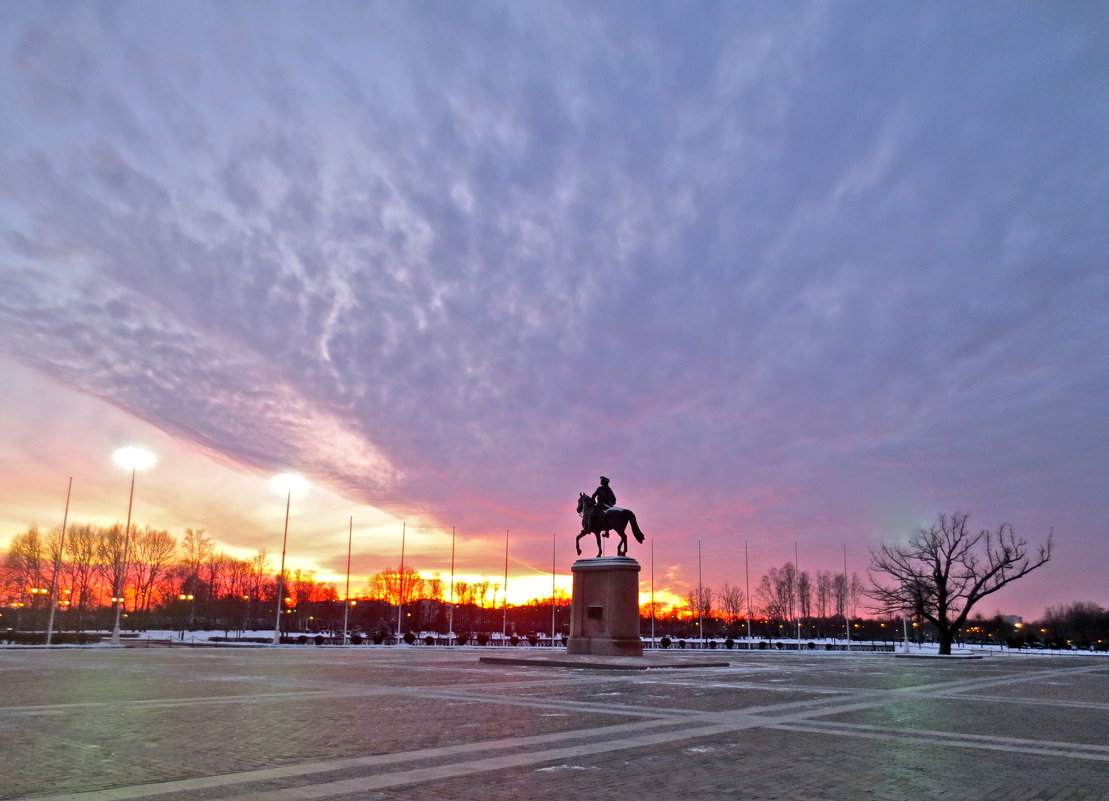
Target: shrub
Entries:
(664, 642)
(39, 638)
(409, 637)
(483, 639)
(463, 638)
(729, 643)
(429, 640)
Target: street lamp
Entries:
(285, 483)
(183, 598)
(133, 459)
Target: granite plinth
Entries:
(604, 612)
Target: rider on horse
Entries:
(600, 514)
(604, 498)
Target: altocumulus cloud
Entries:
(753, 260)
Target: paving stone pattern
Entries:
(425, 724)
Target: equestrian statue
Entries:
(600, 515)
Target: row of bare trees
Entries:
(783, 595)
(166, 582)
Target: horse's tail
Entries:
(635, 527)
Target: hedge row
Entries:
(39, 638)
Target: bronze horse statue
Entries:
(612, 519)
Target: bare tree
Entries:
(699, 601)
(840, 592)
(435, 587)
(110, 557)
(824, 593)
(943, 571)
(731, 599)
(80, 560)
(30, 564)
(153, 550)
(197, 548)
(804, 594)
(391, 586)
(778, 592)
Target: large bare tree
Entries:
(943, 571)
(731, 599)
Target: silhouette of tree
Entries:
(943, 571)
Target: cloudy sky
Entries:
(809, 273)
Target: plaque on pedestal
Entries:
(604, 613)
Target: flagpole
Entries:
(58, 566)
(450, 614)
(346, 595)
(400, 579)
(553, 551)
(700, 599)
(653, 645)
(846, 617)
(797, 564)
(504, 621)
(747, 573)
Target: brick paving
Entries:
(418, 724)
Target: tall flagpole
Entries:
(747, 573)
(400, 579)
(700, 599)
(346, 596)
(653, 645)
(450, 614)
(846, 591)
(58, 566)
(553, 549)
(797, 564)
(504, 622)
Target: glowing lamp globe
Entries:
(133, 458)
(288, 483)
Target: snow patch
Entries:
(562, 767)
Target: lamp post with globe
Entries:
(133, 459)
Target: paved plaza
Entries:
(419, 723)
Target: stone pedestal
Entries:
(604, 613)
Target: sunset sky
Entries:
(803, 273)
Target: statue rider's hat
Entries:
(604, 479)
